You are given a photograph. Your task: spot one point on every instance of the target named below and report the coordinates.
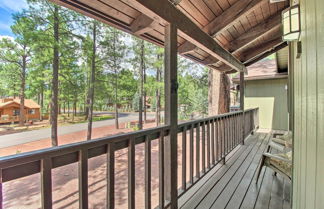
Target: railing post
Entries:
(242, 103)
(171, 114)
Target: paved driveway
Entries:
(34, 135)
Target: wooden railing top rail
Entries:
(28, 162)
(188, 123)
(67, 154)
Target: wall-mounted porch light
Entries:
(291, 23)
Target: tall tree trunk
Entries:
(92, 81)
(22, 92)
(144, 91)
(225, 94)
(68, 103)
(41, 102)
(218, 92)
(140, 112)
(116, 81)
(54, 102)
(158, 96)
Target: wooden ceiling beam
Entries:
(209, 60)
(232, 15)
(254, 52)
(228, 17)
(257, 51)
(186, 48)
(142, 24)
(165, 10)
(176, 2)
(267, 53)
(252, 34)
(262, 56)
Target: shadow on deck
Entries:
(233, 185)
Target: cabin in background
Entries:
(10, 110)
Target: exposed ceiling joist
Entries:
(255, 52)
(176, 2)
(142, 24)
(259, 30)
(187, 47)
(163, 9)
(209, 60)
(229, 17)
(267, 53)
(232, 15)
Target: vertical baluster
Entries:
(46, 181)
(208, 144)
(223, 139)
(203, 146)
(233, 125)
(184, 157)
(131, 173)
(225, 135)
(198, 150)
(236, 136)
(83, 179)
(161, 169)
(191, 153)
(228, 134)
(217, 139)
(147, 173)
(110, 176)
(213, 140)
(232, 131)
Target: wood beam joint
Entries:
(142, 24)
(186, 48)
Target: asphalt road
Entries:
(34, 135)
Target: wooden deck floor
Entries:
(233, 185)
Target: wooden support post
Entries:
(171, 114)
(242, 102)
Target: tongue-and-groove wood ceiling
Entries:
(248, 29)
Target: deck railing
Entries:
(204, 143)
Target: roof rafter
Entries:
(187, 47)
(257, 51)
(259, 30)
(225, 20)
(267, 53)
(163, 9)
(142, 24)
(254, 52)
(232, 15)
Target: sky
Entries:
(7, 8)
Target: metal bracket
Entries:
(174, 86)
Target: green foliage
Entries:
(118, 61)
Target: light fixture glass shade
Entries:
(291, 23)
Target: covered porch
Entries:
(233, 185)
(205, 163)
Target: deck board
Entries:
(233, 185)
(207, 186)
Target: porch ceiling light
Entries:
(291, 23)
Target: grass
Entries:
(102, 117)
(80, 118)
